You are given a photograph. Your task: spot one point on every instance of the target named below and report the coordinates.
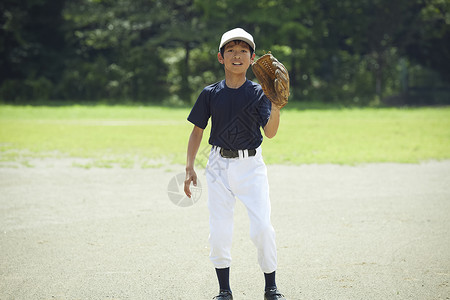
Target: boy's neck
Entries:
(235, 82)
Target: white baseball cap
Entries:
(237, 34)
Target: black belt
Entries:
(226, 153)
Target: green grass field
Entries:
(152, 136)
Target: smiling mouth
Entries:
(237, 64)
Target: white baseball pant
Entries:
(244, 178)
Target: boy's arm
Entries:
(194, 143)
(271, 128)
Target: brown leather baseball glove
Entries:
(274, 79)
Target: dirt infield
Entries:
(376, 231)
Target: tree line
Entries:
(164, 51)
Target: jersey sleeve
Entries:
(201, 112)
(264, 108)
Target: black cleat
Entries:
(273, 294)
(224, 295)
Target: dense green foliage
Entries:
(352, 52)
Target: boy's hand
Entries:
(191, 176)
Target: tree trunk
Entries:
(185, 91)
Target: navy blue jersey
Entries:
(236, 114)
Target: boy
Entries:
(238, 109)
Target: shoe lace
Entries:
(276, 293)
(222, 293)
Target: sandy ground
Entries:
(376, 231)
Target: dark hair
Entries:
(222, 50)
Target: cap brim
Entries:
(250, 43)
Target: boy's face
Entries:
(236, 57)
